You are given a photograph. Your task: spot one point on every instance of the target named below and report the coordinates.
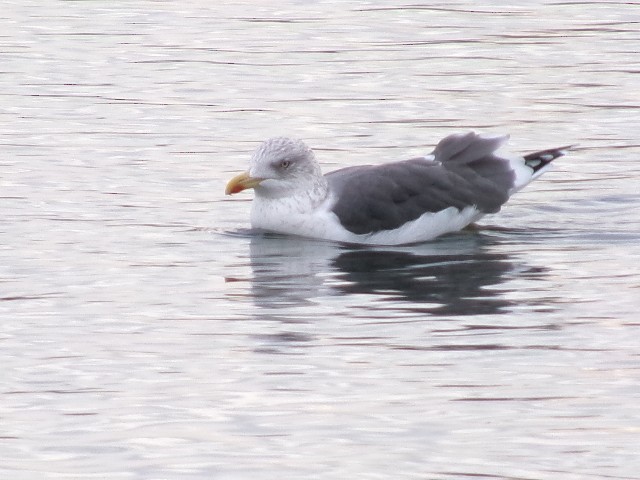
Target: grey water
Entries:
(146, 333)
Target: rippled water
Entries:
(146, 333)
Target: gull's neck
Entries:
(290, 213)
(306, 194)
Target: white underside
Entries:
(283, 217)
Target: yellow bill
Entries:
(241, 182)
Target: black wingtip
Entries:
(538, 160)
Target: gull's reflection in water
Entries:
(289, 271)
(437, 284)
(458, 275)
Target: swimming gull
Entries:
(396, 203)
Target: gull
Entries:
(395, 203)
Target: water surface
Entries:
(146, 334)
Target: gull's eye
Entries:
(284, 164)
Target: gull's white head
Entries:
(279, 166)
